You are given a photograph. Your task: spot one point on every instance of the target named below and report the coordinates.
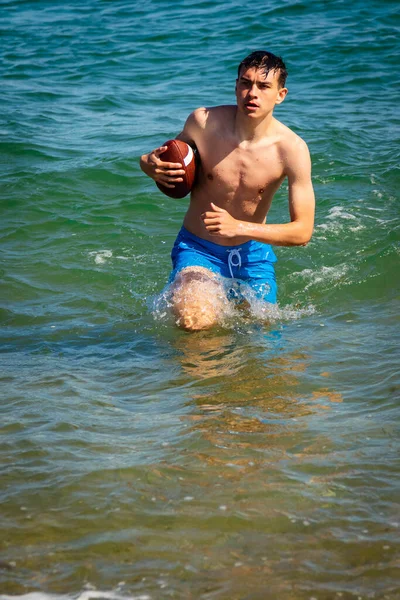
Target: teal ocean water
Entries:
(259, 460)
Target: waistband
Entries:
(219, 250)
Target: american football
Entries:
(179, 152)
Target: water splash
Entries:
(100, 256)
(323, 276)
(239, 304)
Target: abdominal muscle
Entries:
(252, 207)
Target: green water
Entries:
(256, 461)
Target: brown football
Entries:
(179, 152)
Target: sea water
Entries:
(255, 461)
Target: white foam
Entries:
(292, 313)
(375, 208)
(338, 212)
(337, 221)
(85, 595)
(100, 256)
(323, 275)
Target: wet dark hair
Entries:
(265, 61)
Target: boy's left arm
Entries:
(301, 209)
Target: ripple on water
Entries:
(138, 461)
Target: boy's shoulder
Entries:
(212, 115)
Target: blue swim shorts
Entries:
(251, 263)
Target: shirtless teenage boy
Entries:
(245, 156)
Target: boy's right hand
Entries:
(165, 173)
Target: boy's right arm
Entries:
(167, 173)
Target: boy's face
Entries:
(257, 93)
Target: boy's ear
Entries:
(282, 93)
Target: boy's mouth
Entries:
(251, 105)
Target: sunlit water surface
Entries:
(256, 461)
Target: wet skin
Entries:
(245, 155)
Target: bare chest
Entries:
(242, 173)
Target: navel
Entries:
(210, 176)
(261, 190)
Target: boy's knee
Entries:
(194, 311)
(195, 301)
(191, 319)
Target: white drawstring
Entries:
(232, 253)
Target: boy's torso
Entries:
(241, 178)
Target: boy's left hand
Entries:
(219, 222)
